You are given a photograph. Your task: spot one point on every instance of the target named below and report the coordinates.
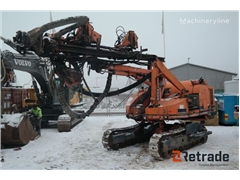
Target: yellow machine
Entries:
(30, 98)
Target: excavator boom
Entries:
(47, 99)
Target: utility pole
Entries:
(52, 31)
(188, 68)
(163, 33)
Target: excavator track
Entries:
(156, 140)
(182, 138)
(107, 137)
(122, 137)
(174, 137)
(65, 123)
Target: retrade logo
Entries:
(176, 156)
(199, 157)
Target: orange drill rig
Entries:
(165, 99)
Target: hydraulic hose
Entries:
(119, 91)
(75, 115)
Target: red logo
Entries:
(176, 156)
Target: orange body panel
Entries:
(204, 91)
(173, 106)
(188, 84)
(132, 100)
(168, 108)
(128, 71)
(89, 35)
(168, 100)
(130, 40)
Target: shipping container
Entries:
(231, 86)
(6, 100)
(226, 104)
(11, 96)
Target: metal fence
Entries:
(109, 105)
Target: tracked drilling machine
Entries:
(165, 98)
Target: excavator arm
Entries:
(33, 65)
(29, 63)
(39, 69)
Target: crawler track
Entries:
(180, 137)
(122, 137)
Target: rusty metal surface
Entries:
(11, 96)
(18, 136)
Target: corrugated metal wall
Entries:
(213, 78)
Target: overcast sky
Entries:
(208, 38)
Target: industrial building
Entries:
(214, 77)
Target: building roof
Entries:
(202, 67)
(236, 77)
